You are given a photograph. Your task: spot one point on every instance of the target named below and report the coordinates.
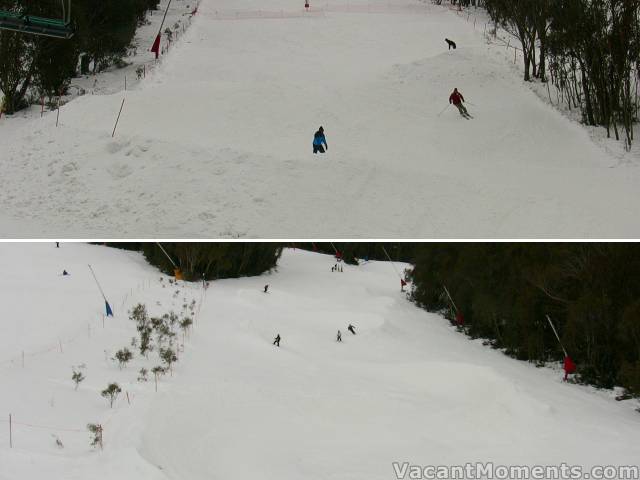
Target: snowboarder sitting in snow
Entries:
(319, 140)
(339, 336)
(352, 329)
(64, 273)
(276, 341)
(457, 99)
(451, 43)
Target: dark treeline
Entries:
(213, 260)
(588, 49)
(505, 291)
(30, 63)
(398, 252)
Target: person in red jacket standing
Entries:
(457, 99)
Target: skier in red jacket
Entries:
(457, 99)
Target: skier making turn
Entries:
(319, 140)
(457, 99)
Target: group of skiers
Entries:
(336, 268)
(456, 99)
(351, 328)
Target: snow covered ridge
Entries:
(405, 388)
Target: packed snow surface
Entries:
(407, 387)
(216, 141)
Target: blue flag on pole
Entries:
(108, 307)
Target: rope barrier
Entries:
(44, 427)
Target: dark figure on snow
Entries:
(276, 341)
(266, 287)
(319, 141)
(352, 329)
(339, 336)
(457, 99)
(64, 273)
(451, 43)
(57, 244)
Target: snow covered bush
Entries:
(168, 357)
(95, 430)
(123, 356)
(77, 377)
(111, 393)
(157, 372)
(142, 375)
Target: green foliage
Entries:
(103, 31)
(142, 375)
(214, 260)
(168, 356)
(123, 356)
(143, 325)
(96, 433)
(592, 49)
(185, 323)
(111, 393)
(77, 377)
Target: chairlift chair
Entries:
(31, 24)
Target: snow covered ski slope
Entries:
(407, 387)
(217, 142)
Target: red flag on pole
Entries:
(156, 46)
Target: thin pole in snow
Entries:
(117, 120)
(557, 336)
(58, 114)
(99, 288)
(394, 267)
(10, 432)
(165, 252)
(450, 298)
(164, 18)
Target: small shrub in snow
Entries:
(168, 356)
(77, 377)
(145, 341)
(142, 375)
(157, 372)
(185, 323)
(123, 356)
(59, 443)
(111, 393)
(96, 434)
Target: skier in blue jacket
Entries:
(319, 140)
